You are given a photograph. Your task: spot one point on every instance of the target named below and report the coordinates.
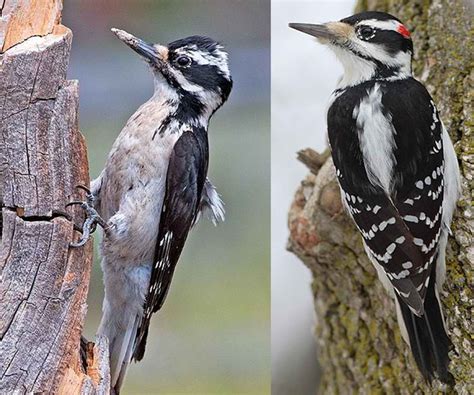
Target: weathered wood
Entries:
(21, 19)
(97, 377)
(361, 350)
(42, 309)
(43, 282)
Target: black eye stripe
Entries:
(392, 41)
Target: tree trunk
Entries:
(43, 156)
(361, 349)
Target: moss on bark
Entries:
(361, 348)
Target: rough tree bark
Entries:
(361, 349)
(43, 156)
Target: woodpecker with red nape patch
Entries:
(397, 171)
(154, 188)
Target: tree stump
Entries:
(43, 156)
(361, 350)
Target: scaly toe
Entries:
(92, 219)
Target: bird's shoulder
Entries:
(152, 116)
(396, 93)
(407, 97)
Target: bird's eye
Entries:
(183, 61)
(365, 32)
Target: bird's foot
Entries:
(92, 217)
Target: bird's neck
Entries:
(358, 69)
(179, 113)
(193, 108)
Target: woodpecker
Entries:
(397, 171)
(153, 188)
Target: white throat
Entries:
(356, 69)
(162, 89)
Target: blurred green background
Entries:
(212, 335)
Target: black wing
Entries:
(401, 231)
(185, 179)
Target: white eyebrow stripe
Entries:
(383, 25)
(219, 58)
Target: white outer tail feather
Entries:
(401, 323)
(121, 336)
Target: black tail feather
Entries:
(418, 344)
(140, 345)
(429, 342)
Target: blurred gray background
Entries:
(304, 74)
(212, 335)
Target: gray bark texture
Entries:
(43, 156)
(360, 347)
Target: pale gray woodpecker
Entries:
(154, 188)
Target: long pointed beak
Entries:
(318, 31)
(331, 31)
(148, 51)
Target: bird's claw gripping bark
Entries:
(92, 217)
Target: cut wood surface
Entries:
(22, 19)
(43, 156)
(360, 347)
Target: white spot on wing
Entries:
(391, 248)
(405, 295)
(410, 218)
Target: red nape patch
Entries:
(403, 31)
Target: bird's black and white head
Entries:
(370, 45)
(193, 70)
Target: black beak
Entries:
(318, 31)
(148, 51)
